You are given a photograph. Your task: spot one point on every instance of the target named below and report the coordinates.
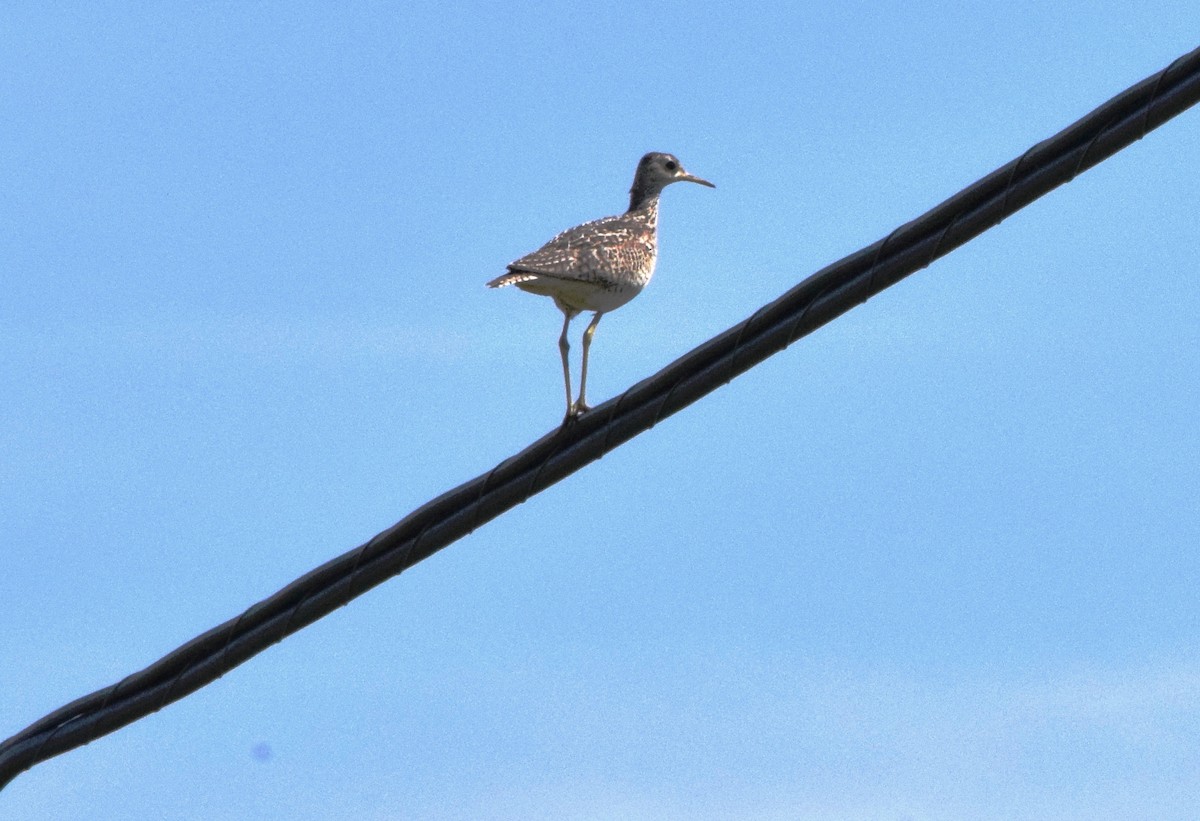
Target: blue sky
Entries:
(936, 561)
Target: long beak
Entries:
(693, 178)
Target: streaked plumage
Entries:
(600, 265)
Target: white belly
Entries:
(581, 295)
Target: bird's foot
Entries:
(577, 409)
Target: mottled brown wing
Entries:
(600, 250)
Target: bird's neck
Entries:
(646, 204)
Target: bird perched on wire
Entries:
(600, 265)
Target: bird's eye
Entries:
(671, 165)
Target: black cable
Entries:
(815, 301)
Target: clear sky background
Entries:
(936, 561)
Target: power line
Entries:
(817, 300)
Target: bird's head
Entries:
(655, 172)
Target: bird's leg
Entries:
(564, 348)
(581, 406)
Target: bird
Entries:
(600, 265)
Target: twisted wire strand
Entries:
(817, 300)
